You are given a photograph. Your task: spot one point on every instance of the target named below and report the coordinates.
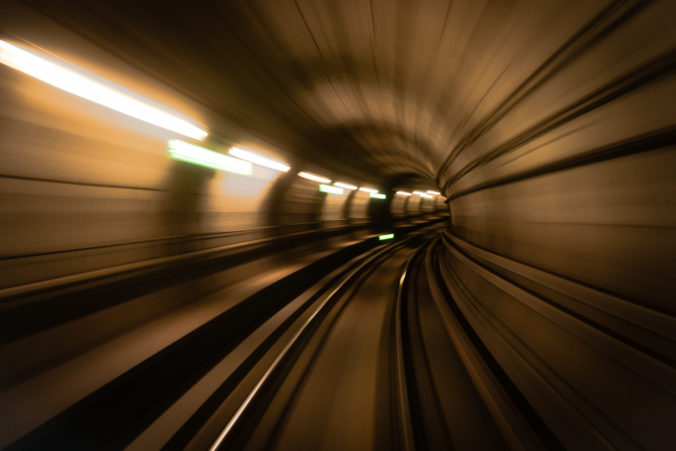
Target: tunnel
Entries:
(337, 225)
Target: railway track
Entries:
(378, 346)
(372, 368)
(175, 397)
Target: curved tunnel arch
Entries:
(546, 265)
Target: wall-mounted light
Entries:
(99, 91)
(368, 190)
(313, 177)
(403, 193)
(190, 153)
(330, 189)
(378, 196)
(255, 158)
(387, 236)
(345, 185)
(426, 196)
(434, 193)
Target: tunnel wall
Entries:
(83, 188)
(617, 239)
(575, 175)
(404, 206)
(358, 207)
(399, 205)
(561, 245)
(80, 193)
(427, 205)
(332, 208)
(74, 202)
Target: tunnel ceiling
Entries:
(367, 89)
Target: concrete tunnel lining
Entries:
(548, 128)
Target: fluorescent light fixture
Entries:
(426, 196)
(330, 189)
(260, 160)
(190, 153)
(368, 190)
(314, 177)
(403, 193)
(387, 236)
(378, 196)
(51, 72)
(434, 193)
(419, 193)
(345, 185)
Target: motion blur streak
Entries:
(345, 185)
(52, 73)
(258, 159)
(330, 189)
(314, 177)
(191, 153)
(498, 272)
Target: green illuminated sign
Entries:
(330, 189)
(190, 153)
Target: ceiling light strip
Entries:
(313, 177)
(49, 71)
(368, 190)
(258, 159)
(345, 185)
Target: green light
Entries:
(378, 196)
(330, 189)
(387, 236)
(190, 153)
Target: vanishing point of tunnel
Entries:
(338, 225)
